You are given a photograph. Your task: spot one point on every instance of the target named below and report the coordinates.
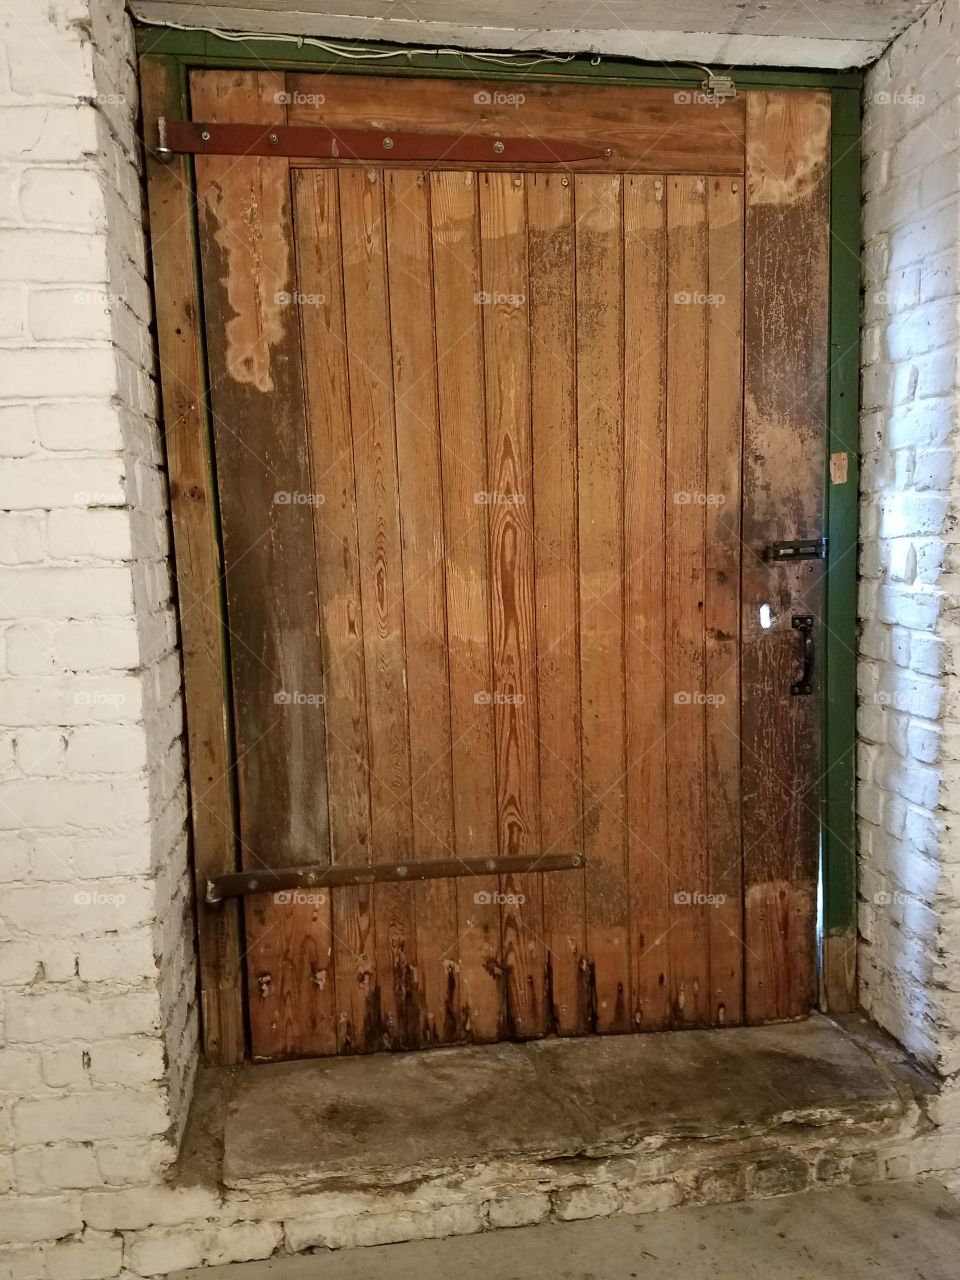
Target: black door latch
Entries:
(805, 549)
(803, 622)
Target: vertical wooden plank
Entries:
(317, 225)
(514, 710)
(378, 522)
(687, 691)
(197, 555)
(599, 258)
(553, 413)
(454, 218)
(785, 389)
(721, 607)
(266, 503)
(645, 652)
(414, 338)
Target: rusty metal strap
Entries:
(318, 142)
(239, 884)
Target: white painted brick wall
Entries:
(96, 979)
(909, 718)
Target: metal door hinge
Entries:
(328, 142)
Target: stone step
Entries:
(389, 1119)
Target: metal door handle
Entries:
(804, 622)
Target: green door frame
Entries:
(182, 50)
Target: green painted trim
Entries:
(204, 48)
(840, 595)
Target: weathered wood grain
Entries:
(503, 233)
(198, 568)
(319, 251)
(722, 589)
(785, 416)
(553, 400)
(647, 522)
(600, 302)
(644, 130)
(455, 226)
(264, 478)
(381, 589)
(687, 691)
(419, 464)
(517, 400)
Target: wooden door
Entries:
(496, 530)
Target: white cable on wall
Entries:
(369, 52)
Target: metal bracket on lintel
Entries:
(720, 88)
(241, 883)
(321, 142)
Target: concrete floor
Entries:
(895, 1231)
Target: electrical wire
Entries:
(365, 52)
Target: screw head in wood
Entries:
(205, 136)
(499, 148)
(387, 144)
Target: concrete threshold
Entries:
(334, 1153)
(878, 1233)
(389, 1118)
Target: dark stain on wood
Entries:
(787, 256)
